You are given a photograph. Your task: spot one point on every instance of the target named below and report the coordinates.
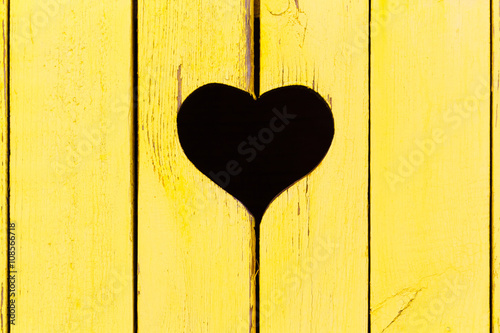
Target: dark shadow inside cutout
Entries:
(255, 149)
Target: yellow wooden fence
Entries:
(108, 227)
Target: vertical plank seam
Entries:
(135, 157)
(256, 79)
(491, 233)
(369, 160)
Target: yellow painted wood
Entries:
(495, 127)
(195, 241)
(430, 133)
(3, 166)
(314, 259)
(71, 191)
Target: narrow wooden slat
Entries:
(495, 34)
(195, 240)
(430, 155)
(314, 260)
(3, 166)
(71, 192)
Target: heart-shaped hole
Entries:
(255, 149)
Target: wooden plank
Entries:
(71, 194)
(4, 138)
(495, 85)
(195, 241)
(430, 159)
(314, 259)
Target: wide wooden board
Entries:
(71, 192)
(430, 160)
(196, 253)
(314, 237)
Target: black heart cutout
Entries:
(255, 149)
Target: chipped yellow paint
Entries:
(70, 106)
(71, 169)
(314, 259)
(195, 240)
(3, 166)
(430, 158)
(495, 127)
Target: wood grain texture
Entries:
(71, 191)
(495, 127)
(314, 236)
(3, 165)
(430, 162)
(196, 264)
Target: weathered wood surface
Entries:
(420, 147)
(314, 237)
(196, 256)
(430, 160)
(71, 165)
